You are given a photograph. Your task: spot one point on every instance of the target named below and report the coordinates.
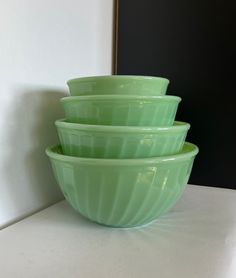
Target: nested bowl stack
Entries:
(123, 160)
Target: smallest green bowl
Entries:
(103, 141)
(118, 85)
(121, 110)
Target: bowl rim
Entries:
(188, 151)
(165, 98)
(123, 77)
(176, 127)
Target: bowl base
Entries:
(135, 226)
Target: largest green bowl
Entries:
(118, 84)
(122, 192)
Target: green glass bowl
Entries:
(122, 192)
(121, 110)
(101, 141)
(118, 85)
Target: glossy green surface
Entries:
(100, 141)
(121, 110)
(118, 84)
(122, 192)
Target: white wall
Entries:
(42, 44)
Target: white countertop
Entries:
(196, 239)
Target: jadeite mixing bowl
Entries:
(122, 192)
(100, 141)
(118, 85)
(121, 110)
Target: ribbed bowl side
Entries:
(121, 113)
(118, 85)
(111, 145)
(122, 196)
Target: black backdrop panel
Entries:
(191, 42)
